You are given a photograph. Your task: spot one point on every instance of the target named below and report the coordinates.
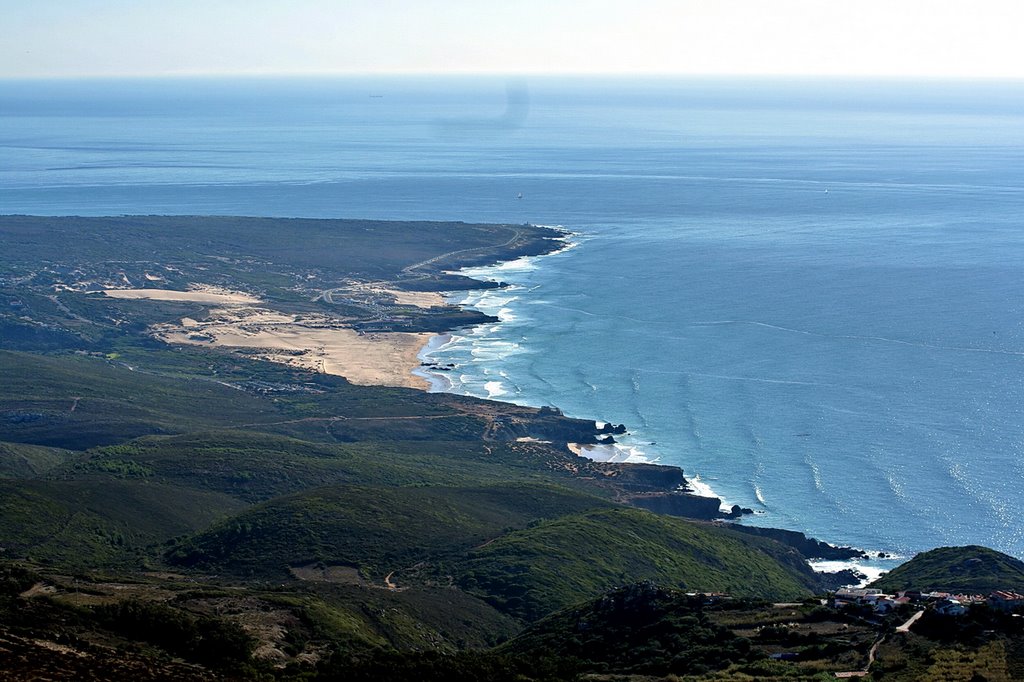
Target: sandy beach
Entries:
(418, 299)
(318, 343)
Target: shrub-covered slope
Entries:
(557, 563)
(640, 629)
(257, 466)
(79, 402)
(957, 569)
(18, 460)
(78, 525)
(379, 529)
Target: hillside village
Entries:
(944, 603)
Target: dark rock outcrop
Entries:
(737, 511)
(678, 504)
(809, 547)
(844, 578)
(546, 424)
(642, 477)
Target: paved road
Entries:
(327, 295)
(910, 622)
(429, 261)
(874, 648)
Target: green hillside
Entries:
(77, 402)
(94, 524)
(971, 569)
(378, 529)
(555, 564)
(18, 460)
(258, 466)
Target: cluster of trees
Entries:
(212, 642)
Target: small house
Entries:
(950, 607)
(1002, 600)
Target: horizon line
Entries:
(519, 75)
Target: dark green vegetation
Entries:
(971, 569)
(346, 547)
(982, 645)
(643, 629)
(374, 528)
(192, 513)
(640, 629)
(51, 270)
(565, 560)
(262, 248)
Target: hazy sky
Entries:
(828, 37)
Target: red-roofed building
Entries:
(1005, 601)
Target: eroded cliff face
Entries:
(641, 477)
(545, 424)
(657, 488)
(678, 503)
(809, 547)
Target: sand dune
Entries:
(204, 295)
(316, 343)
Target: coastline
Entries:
(319, 343)
(372, 332)
(329, 343)
(611, 452)
(439, 379)
(859, 566)
(437, 383)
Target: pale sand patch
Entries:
(249, 319)
(329, 574)
(319, 344)
(597, 453)
(420, 299)
(59, 648)
(38, 590)
(204, 295)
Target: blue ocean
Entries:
(809, 294)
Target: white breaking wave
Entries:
(495, 389)
(615, 453)
(871, 569)
(699, 487)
